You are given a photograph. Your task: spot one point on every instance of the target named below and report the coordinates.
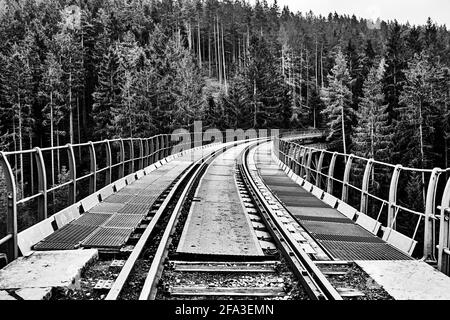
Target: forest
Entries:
(74, 71)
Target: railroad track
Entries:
(152, 269)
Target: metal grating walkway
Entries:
(340, 236)
(110, 223)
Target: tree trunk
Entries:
(209, 54)
(20, 144)
(321, 66)
(199, 44)
(70, 103)
(224, 64)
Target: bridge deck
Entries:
(218, 224)
(339, 235)
(109, 224)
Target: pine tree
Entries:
(337, 98)
(264, 83)
(372, 136)
(417, 115)
(128, 54)
(18, 87)
(394, 77)
(52, 91)
(106, 95)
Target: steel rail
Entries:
(313, 280)
(124, 274)
(149, 290)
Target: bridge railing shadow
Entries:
(412, 204)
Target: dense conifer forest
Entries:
(73, 71)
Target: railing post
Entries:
(157, 148)
(147, 153)
(319, 169)
(345, 179)
(295, 157)
(308, 164)
(93, 169)
(42, 185)
(304, 161)
(72, 174)
(152, 150)
(131, 155)
(365, 187)
(11, 218)
(167, 145)
(122, 158)
(288, 153)
(108, 174)
(330, 180)
(444, 228)
(141, 154)
(429, 228)
(393, 196)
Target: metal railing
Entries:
(340, 174)
(122, 157)
(90, 167)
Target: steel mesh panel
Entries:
(363, 251)
(92, 219)
(342, 229)
(135, 187)
(148, 200)
(69, 234)
(333, 237)
(119, 198)
(324, 219)
(105, 237)
(151, 192)
(105, 207)
(124, 221)
(279, 181)
(316, 212)
(127, 191)
(139, 209)
(303, 202)
(47, 246)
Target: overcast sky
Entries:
(414, 11)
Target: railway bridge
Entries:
(274, 216)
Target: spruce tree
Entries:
(372, 137)
(417, 115)
(337, 98)
(106, 95)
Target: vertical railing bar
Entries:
(122, 158)
(365, 187)
(72, 174)
(331, 173)
(393, 196)
(11, 218)
(93, 169)
(429, 248)
(108, 162)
